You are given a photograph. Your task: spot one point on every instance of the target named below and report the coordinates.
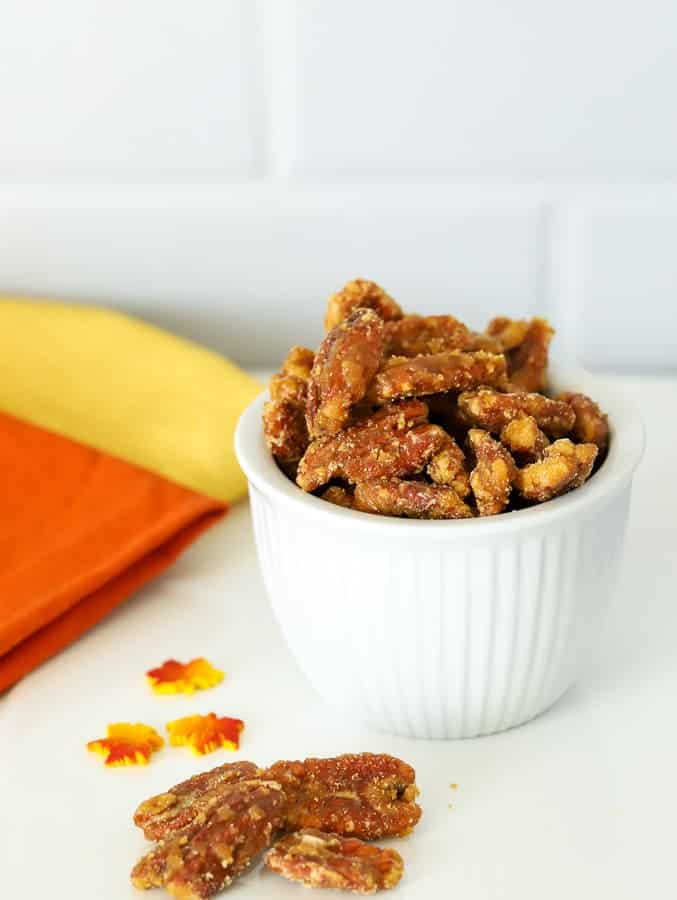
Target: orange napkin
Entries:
(79, 532)
(139, 436)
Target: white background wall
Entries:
(220, 167)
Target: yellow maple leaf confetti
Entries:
(126, 744)
(205, 733)
(174, 677)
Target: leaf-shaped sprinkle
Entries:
(174, 677)
(203, 734)
(126, 744)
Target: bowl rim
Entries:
(625, 452)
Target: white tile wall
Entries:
(454, 87)
(221, 168)
(627, 284)
(127, 89)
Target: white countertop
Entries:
(578, 803)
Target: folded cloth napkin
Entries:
(122, 386)
(116, 451)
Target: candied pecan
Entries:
(339, 496)
(288, 389)
(524, 439)
(586, 454)
(291, 382)
(564, 466)
(400, 415)
(508, 332)
(480, 340)
(372, 449)
(448, 467)
(366, 795)
(416, 335)
(528, 361)
(190, 801)
(410, 499)
(494, 473)
(317, 859)
(592, 425)
(356, 294)
(493, 410)
(151, 870)
(200, 863)
(345, 363)
(452, 370)
(284, 427)
(284, 423)
(299, 362)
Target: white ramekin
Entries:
(443, 629)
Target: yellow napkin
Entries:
(129, 389)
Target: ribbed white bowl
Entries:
(443, 629)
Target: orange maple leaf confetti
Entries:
(126, 744)
(205, 733)
(174, 677)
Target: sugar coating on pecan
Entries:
(364, 795)
(191, 800)
(410, 499)
(564, 466)
(199, 863)
(299, 362)
(317, 859)
(151, 870)
(480, 340)
(360, 293)
(284, 427)
(509, 333)
(591, 425)
(415, 335)
(452, 370)
(284, 419)
(288, 389)
(493, 475)
(399, 415)
(448, 467)
(528, 361)
(586, 455)
(339, 496)
(524, 439)
(372, 449)
(291, 382)
(493, 410)
(344, 365)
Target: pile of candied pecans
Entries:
(349, 421)
(314, 814)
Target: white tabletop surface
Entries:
(580, 803)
